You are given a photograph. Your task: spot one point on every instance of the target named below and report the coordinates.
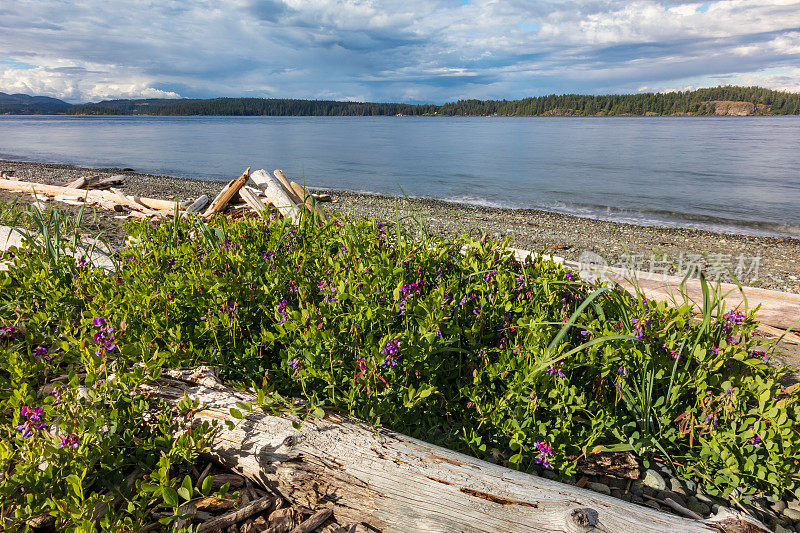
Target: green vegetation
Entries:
(698, 102)
(455, 342)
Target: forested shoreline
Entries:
(728, 100)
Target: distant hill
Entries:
(22, 104)
(728, 100)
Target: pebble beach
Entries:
(769, 262)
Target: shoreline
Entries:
(769, 262)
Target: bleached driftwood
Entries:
(198, 205)
(79, 183)
(396, 483)
(308, 200)
(287, 186)
(226, 194)
(251, 199)
(79, 194)
(276, 195)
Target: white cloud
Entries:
(389, 49)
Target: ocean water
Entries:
(734, 174)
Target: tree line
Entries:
(697, 102)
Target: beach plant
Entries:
(454, 341)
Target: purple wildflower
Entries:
(69, 440)
(756, 440)
(282, 311)
(8, 331)
(555, 370)
(33, 423)
(545, 454)
(570, 276)
(297, 365)
(392, 352)
(103, 337)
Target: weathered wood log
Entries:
(133, 202)
(79, 183)
(251, 200)
(108, 181)
(314, 209)
(244, 512)
(276, 195)
(287, 186)
(198, 204)
(229, 191)
(323, 198)
(396, 483)
(55, 190)
(777, 309)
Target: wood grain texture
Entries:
(397, 483)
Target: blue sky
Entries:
(392, 50)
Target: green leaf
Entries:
(206, 487)
(171, 497)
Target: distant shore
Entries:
(768, 262)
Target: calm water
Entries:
(729, 174)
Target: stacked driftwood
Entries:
(249, 192)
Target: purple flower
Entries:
(41, 351)
(545, 454)
(8, 331)
(33, 424)
(282, 311)
(556, 370)
(570, 276)
(392, 352)
(69, 440)
(756, 440)
(103, 337)
(297, 365)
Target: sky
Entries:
(392, 50)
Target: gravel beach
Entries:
(768, 262)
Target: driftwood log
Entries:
(287, 186)
(396, 483)
(226, 194)
(276, 195)
(314, 209)
(80, 194)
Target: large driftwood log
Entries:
(276, 195)
(226, 194)
(396, 483)
(314, 209)
(54, 190)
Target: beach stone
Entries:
(653, 480)
(600, 487)
(618, 493)
(690, 485)
(778, 506)
(549, 474)
(698, 507)
(637, 488)
(635, 498)
(676, 486)
(793, 504)
(780, 529)
(703, 498)
(791, 514)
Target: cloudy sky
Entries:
(392, 50)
